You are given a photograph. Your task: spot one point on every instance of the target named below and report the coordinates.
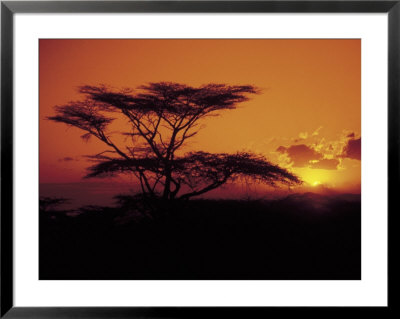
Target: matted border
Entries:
(8, 8)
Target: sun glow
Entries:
(315, 177)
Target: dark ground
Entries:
(305, 236)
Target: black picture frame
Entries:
(9, 8)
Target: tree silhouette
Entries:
(50, 203)
(162, 117)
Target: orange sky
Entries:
(307, 118)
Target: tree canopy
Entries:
(162, 117)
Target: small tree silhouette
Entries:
(162, 117)
(50, 203)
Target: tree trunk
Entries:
(167, 186)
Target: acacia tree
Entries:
(162, 117)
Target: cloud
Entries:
(300, 154)
(352, 149)
(67, 159)
(317, 152)
(316, 132)
(326, 163)
(305, 156)
(303, 135)
(351, 135)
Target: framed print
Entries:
(195, 158)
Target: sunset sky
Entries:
(306, 119)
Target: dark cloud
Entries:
(281, 149)
(301, 154)
(326, 164)
(352, 149)
(66, 159)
